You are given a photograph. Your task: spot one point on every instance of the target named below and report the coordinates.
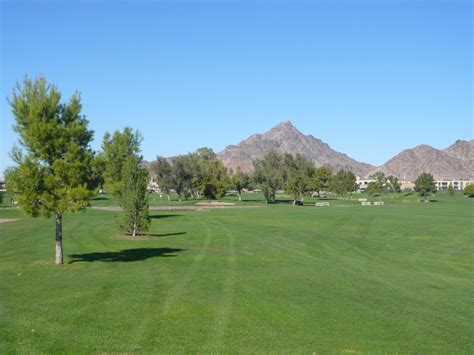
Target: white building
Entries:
(458, 185)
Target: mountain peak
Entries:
(284, 126)
(286, 138)
(284, 131)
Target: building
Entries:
(458, 185)
(363, 183)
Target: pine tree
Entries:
(134, 197)
(116, 149)
(55, 173)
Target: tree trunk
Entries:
(168, 197)
(134, 232)
(59, 239)
(240, 197)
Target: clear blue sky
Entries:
(370, 78)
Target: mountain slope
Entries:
(463, 151)
(285, 138)
(447, 164)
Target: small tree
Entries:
(116, 149)
(134, 197)
(269, 175)
(425, 184)
(297, 185)
(393, 185)
(373, 188)
(344, 182)
(469, 190)
(182, 175)
(240, 181)
(321, 180)
(164, 176)
(56, 174)
(299, 173)
(379, 186)
(451, 190)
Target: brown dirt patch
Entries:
(129, 237)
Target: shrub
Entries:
(469, 190)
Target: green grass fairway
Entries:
(344, 278)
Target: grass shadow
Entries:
(282, 201)
(157, 216)
(164, 234)
(126, 255)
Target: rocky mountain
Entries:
(454, 162)
(285, 138)
(464, 151)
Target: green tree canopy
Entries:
(269, 174)
(239, 181)
(425, 184)
(164, 177)
(451, 190)
(344, 182)
(134, 197)
(116, 149)
(379, 186)
(321, 180)
(469, 190)
(393, 185)
(299, 173)
(55, 172)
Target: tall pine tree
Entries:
(134, 197)
(55, 171)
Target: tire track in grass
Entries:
(302, 249)
(225, 307)
(149, 327)
(175, 293)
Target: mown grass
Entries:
(344, 278)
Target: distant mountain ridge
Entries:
(454, 162)
(285, 138)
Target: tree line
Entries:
(202, 174)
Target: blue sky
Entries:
(370, 78)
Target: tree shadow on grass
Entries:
(282, 202)
(164, 234)
(126, 255)
(100, 198)
(156, 216)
